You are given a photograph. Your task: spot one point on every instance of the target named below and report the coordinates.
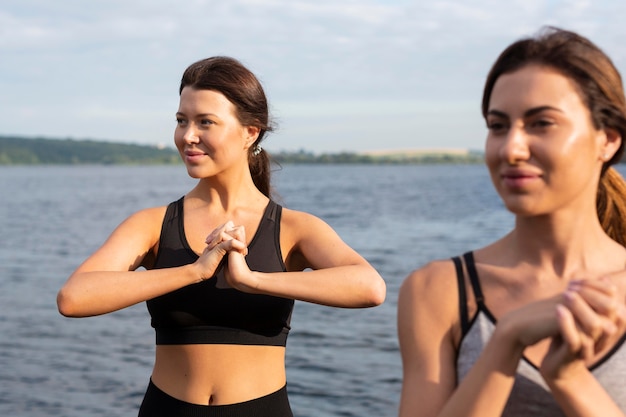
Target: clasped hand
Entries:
(590, 314)
(580, 323)
(227, 240)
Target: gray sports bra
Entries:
(530, 395)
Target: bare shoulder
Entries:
(131, 244)
(429, 297)
(140, 231)
(297, 219)
(298, 226)
(310, 242)
(149, 216)
(144, 223)
(436, 278)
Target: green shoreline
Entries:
(16, 150)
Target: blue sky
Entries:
(341, 75)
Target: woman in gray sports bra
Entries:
(533, 324)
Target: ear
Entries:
(251, 133)
(611, 142)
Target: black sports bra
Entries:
(210, 312)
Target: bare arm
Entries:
(107, 280)
(428, 317)
(339, 277)
(595, 402)
(427, 314)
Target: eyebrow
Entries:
(527, 113)
(198, 115)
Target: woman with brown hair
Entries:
(224, 264)
(534, 323)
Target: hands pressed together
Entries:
(581, 322)
(590, 314)
(227, 240)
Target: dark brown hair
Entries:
(241, 87)
(600, 87)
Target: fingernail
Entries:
(574, 285)
(568, 294)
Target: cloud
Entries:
(125, 58)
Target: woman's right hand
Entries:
(591, 320)
(531, 323)
(589, 303)
(592, 312)
(220, 241)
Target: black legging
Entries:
(157, 403)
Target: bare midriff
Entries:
(219, 374)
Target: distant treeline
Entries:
(305, 157)
(29, 151)
(25, 151)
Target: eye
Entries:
(206, 122)
(542, 123)
(497, 126)
(180, 121)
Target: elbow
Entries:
(377, 293)
(67, 305)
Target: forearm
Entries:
(583, 396)
(351, 286)
(486, 388)
(99, 292)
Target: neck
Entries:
(228, 191)
(567, 242)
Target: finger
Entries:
(215, 237)
(211, 237)
(620, 316)
(601, 297)
(230, 243)
(603, 284)
(234, 245)
(589, 321)
(577, 343)
(568, 329)
(238, 232)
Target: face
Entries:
(542, 150)
(208, 135)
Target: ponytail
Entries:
(260, 169)
(611, 205)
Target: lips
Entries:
(519, 178)
(192, 155)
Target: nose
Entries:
(515, 146)
(190, 134)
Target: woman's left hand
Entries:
(592, 313)
(238, 274)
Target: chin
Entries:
(193, 172)
(523, 210)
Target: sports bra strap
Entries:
(473, 277)
(460, 278)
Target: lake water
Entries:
(339, 362)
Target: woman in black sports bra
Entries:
(224, 263)
(534, 323)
